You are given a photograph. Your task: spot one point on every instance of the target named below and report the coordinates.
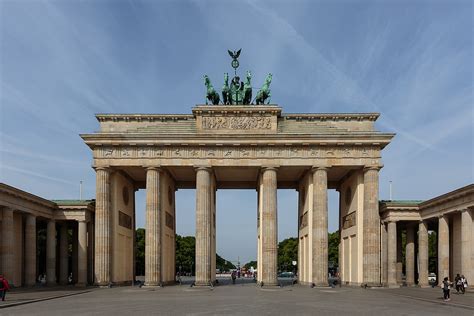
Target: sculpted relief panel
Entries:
(236, 152)
(236, 122)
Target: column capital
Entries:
(264, 168)
(372, 167)
(205, 168)
(320, 167)
(157, 168)
(104, 168)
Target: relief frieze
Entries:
(236, 152)
(237, 122)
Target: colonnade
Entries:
(455, 248)
(20, 261)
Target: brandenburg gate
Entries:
(237, 146)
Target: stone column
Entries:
(269, 227)
(371, 227)
(399, 256)
(7, 243)
(74, 254)
(423, 254)
(153, 228)
(383, 236)
(51, 253)
(90, 252)
(63, 254)
(443, 248)
(30, 250)
(82, 254)
(410, 255)
(392, 253)
(320, 227)
(466, 240)
(203, 226)
(102, 227)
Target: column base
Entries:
(321, 284)
(203, 284)
(151, 286)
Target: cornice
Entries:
(5, 188)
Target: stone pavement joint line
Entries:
(41, 299)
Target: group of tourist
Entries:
(460, 283)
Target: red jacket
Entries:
(4, 285)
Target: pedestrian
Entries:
(233, 276)
(464, 284)
(446, 286)
(457, 283)
(4, 287)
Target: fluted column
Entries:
(384, 241)
(320, 227)
(102, 227)
(443, 247)
(82, 254)
(466, 240)
(410, 256)
(30, 250)
(7, 243)
(392, 253)
(63, 254)
(153, 228)
(423, 254)
(269, 227)
(74, 253)
(203, 226)
(90, 252)
(371, 241)
(51, 253)
(399, 256)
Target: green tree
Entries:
(185, 254)
(223, 265)
(333, 248)
(287, 253)
(140, 251)
(251, 264)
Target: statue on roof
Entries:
(237, 92)
(264, 93)
(211, 95)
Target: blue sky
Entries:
(63, 61)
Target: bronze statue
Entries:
(264, 93)
(247, 89)
(211, 95)
(226, 90)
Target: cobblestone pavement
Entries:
(244, 298)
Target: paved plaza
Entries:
(243, 298)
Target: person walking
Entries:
(457, 283)
(233, 276)
(446, 286)
(4, 287)
(464, 284)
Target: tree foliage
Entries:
(140, 251)
(185, 254)
(251, 264)
(287, 253)
(333, 248)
